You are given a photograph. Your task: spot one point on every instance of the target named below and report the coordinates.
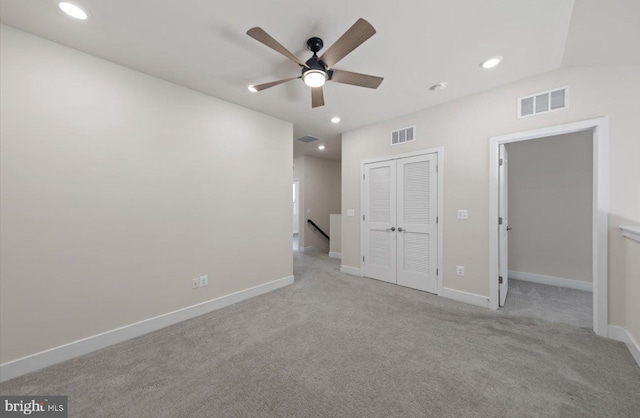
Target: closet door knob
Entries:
(393, 228)
(400, 229)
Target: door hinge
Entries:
(501, 161)
(362, 176)
(436, 219)
(436, 272)
(436, 168)
(500, 221)
(363, 217)
(363, 259)
(500, 279)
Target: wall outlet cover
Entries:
(195, 283)
(204, 280)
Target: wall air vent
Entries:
(404, 135)
(543, 102)
(308, 138)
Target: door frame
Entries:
(439, 151)
(600, 210)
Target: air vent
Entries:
(404, 135)
(543, 102)
(308, 138)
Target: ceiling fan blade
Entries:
(356, 79)
(350, 40)
(259, 87)
(317, 97)
(260, 35)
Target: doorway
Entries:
(598, 129)
(400, 230)
(296, 214)
(549, 197)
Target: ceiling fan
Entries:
(318, 70)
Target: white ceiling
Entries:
(201, 44)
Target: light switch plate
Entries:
(463, 214)
(351, 212)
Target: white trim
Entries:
(335, 255)
(600, 222)
(551, 280)
(306, 249)
(621, 334)
(631, 232)
(55, 355)
(354, 271)
(465, 297)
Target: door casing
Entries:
(600, 222)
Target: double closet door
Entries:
(400, 242)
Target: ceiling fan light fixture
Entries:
(314, 78)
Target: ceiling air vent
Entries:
(308, 138)
(543, 102)
(404, 135)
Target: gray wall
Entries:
(118, 188)
(550, 184)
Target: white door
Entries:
(400, 240)
(417, 244)
(296, 207)
(378, 222)
(503, 228)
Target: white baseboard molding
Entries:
(550, 280)
(470, 298)
(354, 271)
(621, 334)
(306, 249)
(335, 255)
(46, 358)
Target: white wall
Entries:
(464, 127)
(118, 188)
(320, 194)
(550, 184)
(632, 269)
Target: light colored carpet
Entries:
(333, 345)
(551, 303)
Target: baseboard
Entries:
(550, 280)
(335, 255)
(74, 349)
(354, 271)
(306, 249)
(621, 334)
(470, 298)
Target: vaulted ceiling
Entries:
(202, 45)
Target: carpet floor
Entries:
(551, 303)
(333, 345)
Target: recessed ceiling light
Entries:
(439, 86)
(320, 147)
(73, 10)
(335, 119)
(252, 89)
(491, 62)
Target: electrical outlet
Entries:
(195, 283)
(460, 270)
(204, 280)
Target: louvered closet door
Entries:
(379, 246)
(417, 241)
